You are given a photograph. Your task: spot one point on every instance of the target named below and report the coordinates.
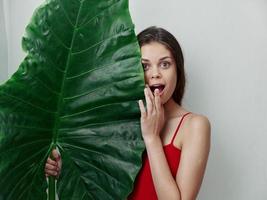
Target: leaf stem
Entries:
(51, 180)
(51, 188)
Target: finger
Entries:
(51, 173)
(157, 101)
(150, 93)
(149, 105)
(55, 155)
(142, 108)
(152, 98)
(51, 162)
(51, 167)
(60, 165)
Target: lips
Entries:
(160, 87)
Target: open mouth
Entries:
(160, 87)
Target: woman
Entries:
(177, 141)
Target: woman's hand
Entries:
(53, 167)
(152, 117)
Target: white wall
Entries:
(18, 16)
(225, 47)
(3, 45)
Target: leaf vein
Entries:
(94, 108)
(96, 69)
(46, 86)
(100, 123)
(30, 104)
(84, 23)
(60, 41)
(100, 42)
(96, 89)
(65, 13)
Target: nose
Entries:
(155, 72)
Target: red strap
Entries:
(179, 126)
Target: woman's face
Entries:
(160, 69)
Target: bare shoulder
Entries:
(198, 125)
(198, 121)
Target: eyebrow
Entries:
(144, 59)
(163, 58)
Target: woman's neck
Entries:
(172, 109)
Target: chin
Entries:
(165, 99)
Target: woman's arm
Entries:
(195, 151)
(152, 121)
(194, 156)
(164, 183)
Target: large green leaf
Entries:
(77, 89)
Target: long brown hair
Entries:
(156, 34)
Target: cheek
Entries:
(172, 80)
(172, 83)
(146, 77)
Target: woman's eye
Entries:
(165, 64)
(145, 66)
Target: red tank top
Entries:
(144, 187)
